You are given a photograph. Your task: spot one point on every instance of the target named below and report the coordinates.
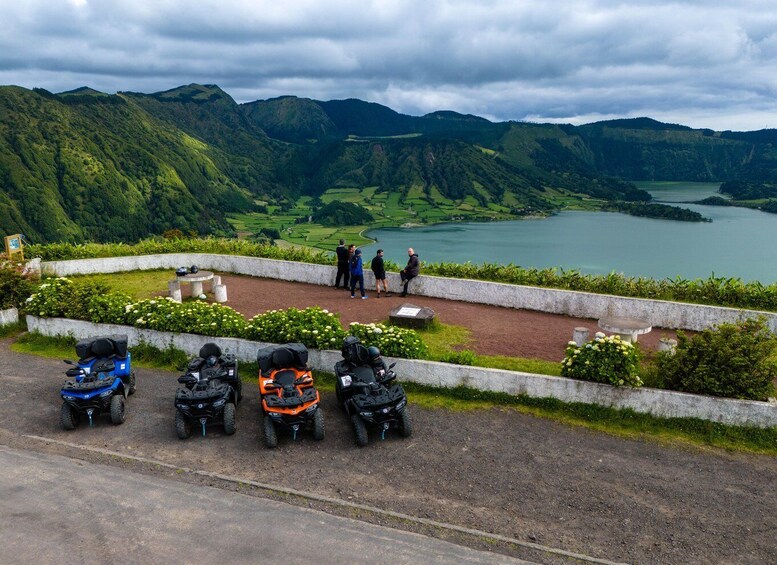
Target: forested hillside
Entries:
(87, 165)
(100, 168)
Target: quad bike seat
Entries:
(363, 374)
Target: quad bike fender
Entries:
(300, 409)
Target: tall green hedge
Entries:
(716, 291)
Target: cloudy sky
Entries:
(701, 63)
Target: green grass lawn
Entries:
(137, 284)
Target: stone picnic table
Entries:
(196, 280)
(627, 328)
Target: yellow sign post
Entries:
(13, 245)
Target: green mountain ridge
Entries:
(85, 165)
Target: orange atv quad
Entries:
(288, 398)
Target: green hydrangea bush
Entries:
(605, 359)
(165, 314)
(313, 326)
(391, 340)
(50, 298)
(109, 308)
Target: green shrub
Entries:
(313, 326)
(391, 340)
(607, 360)
(48, 301)
(64, 251)
(165, 314)
(15, 288)
(463, 357)
(109, 308)
(732, 360)
(77, 300)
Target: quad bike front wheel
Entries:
(359, 430)
(68, 417)
(183, 427)
(229, 419)
(318, 425)
(405, 424)
(118, 412)
(270, 435)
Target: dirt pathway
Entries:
(495, 330)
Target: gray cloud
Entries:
(688, 62)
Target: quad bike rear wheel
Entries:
(229, 419)
(68, 417)
(117, 409)
(270, 435)
(183, 427)
(318, 425)
(132, 383)
(239, 389)
(405, 424)
(359, 430)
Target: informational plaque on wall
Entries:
(408, 311)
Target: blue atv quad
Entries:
(99, 382)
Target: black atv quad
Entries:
(367, 394)
(210, 393)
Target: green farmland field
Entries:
(414, 207)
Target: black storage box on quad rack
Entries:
(96, 347)
(264, 357)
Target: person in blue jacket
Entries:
(357, 273)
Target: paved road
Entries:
(59, 509)
(498, 471)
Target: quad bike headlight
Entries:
(66, 397)
(401, 404)
(312, 408)
(219, 403)
(106, 393)
(365, 414)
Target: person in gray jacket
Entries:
(411, 269)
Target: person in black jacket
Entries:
(411, 269)
(380, 272)
(342, 265)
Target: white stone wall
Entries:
(9, 316)
(657, 402)
(660, 313)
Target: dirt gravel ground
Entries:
(495, 330)
(495, 470)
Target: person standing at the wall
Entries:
(411, 270)
(379, 270)
(342, 265)
(357, 273)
